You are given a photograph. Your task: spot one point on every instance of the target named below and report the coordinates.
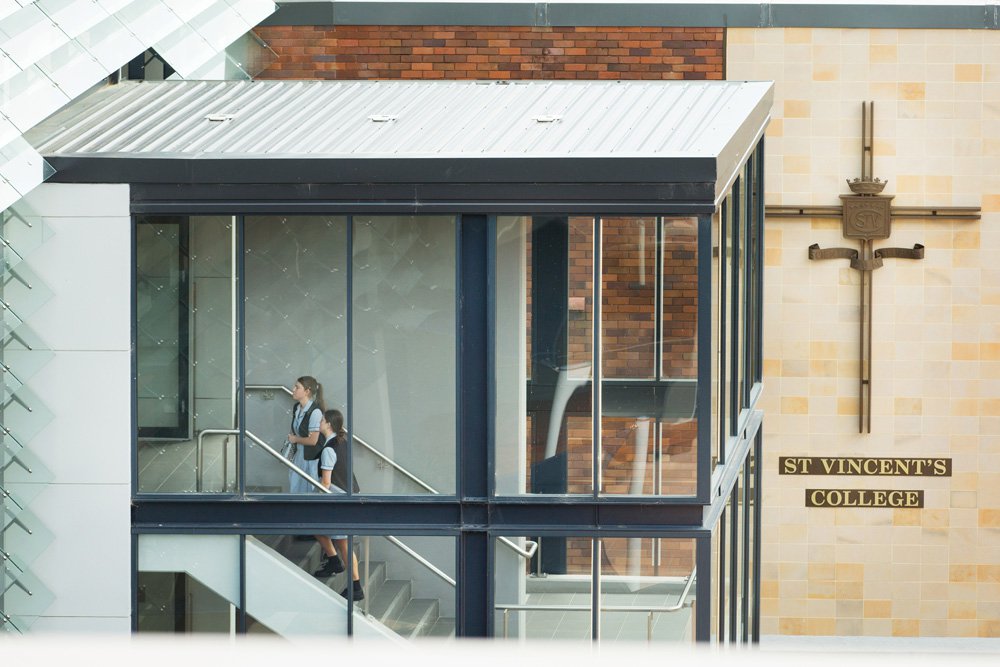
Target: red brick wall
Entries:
(479, 52)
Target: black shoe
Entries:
(331, 566)
(357, 593)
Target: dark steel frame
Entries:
(474, 516)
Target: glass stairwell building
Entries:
(537, 305)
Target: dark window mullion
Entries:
(733, 292)
(597, 373)
(241, 355)
(349, 404)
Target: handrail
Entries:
(288, 464)
(383, 457)
(420, 559)
(523, 553)
(648, 610)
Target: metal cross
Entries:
(866, 216)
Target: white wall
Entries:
(80, 546)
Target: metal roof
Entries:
(411, 119)
(398, 131)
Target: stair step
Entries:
(376, 577)
(390, 600)
(416, 618)
(442, 628)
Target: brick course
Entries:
(478, 52)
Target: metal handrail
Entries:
(288, 464)
(383, 457)
(527, 554)
(420, 559)
(648, 610)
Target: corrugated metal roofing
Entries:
(384, 119)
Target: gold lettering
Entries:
(804, 465)
(912, 499)
(895, 499)
(827, 465)
(879, 498)
(834, 498)
(854, 466)
(885, 466)
(871, 466)
(818, 497)
(940, 467)
(788, 466)
(902, 466)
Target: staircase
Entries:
(388, 601)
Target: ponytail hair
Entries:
(335, 418)
(315, 389)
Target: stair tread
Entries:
(416, 618)
(390, 600)
(443, 627)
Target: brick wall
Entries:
(478, 52)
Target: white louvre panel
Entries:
(73, 16)
(51, 51)
(252, 11)
(149, 21)
(29, 97)
(111, 44)
(21, 169)
(8, 7)
(8, 132)
(72, 69)
(189, 48)
(28, 34)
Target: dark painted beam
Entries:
(959, 15)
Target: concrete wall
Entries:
(931, 571)
(79, 378)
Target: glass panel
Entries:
(726, 322)
(718, 589)
(110, 43)
(716, 310)
(71, 68)
(28, 97)
(409, 587)
(649, 312)
(737, 589)
(295, 583)
(544, 316)
(404, 352)
(186, 354)
(644, 589)
(185, 49)
(150, 22)
(21, 169)
(188, 583)
(535, 601)
(28, 35)
(628, 298)
(296, 327)
(72, 16)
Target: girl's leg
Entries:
(326, 544)
(342, 548)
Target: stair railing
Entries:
(531, 545)
(682, 601)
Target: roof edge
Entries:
(940, 15)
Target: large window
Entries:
(233, 311)
(549, 421)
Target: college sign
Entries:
(864, 467)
